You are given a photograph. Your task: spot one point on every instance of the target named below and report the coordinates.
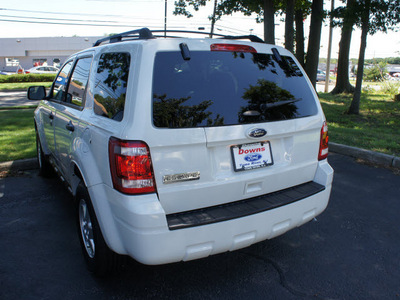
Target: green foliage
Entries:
(224, 7)
(173, 113)
(388, 60)
(375, 73)
(110, 106)
(390, 87)
(384, 14)
(27, 78)
(23, 85)
(271, 101)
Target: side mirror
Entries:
(36, 92)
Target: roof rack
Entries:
(145, 33)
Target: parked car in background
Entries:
(42, 70)
(321, 75)
(3, 73)
(176, 148)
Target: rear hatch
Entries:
(233, 124)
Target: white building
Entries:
(28, 52)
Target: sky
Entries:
(43, 18)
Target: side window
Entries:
(60, 85)
(110, 85)
(79, 79)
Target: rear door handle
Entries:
(70, 126)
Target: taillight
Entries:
(232, 48)
(131, 168)
(323, 144)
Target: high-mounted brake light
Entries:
(323, 144)
(131, 168)
(232, 48)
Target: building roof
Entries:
(16, 47)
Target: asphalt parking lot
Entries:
(350, 252)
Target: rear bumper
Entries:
(138, 226)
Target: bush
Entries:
(368, 89)
(377, 72)
(27, 78)
(390, 87)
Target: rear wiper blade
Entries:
(265, 106)
(280, 103)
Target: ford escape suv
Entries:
(180, 148)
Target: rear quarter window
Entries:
(111, 81)
(227, 88)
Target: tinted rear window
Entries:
(227, 88)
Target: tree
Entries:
(376, 15)
(317, 15)
(355, 103)
(342, 80)
(264, 10)
(269, 21)
(302, 10)
(289, 29)
(376, 73)
(299, 35)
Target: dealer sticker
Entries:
(251, 156)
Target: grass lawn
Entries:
(22, 85)
(17, 134)
(377, 127)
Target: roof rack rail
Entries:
(252, 38)
(145, 33)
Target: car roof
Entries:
(146, 34)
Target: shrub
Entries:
(390, 87)
(377, 72)
(27, 78)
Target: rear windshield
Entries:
(227, 88)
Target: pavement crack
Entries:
(284, 283)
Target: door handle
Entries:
(70, 126)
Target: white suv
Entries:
(179, 148)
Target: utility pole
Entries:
(165, 19)
(213, 19)
(328, 60)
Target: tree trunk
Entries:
(355, 103)
(314, 40)
(269, 21)
(342, 79)
(299, 36)
(289, 29)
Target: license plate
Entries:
(251, 156)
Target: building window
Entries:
(12, 62)
(39, 62)
(57, 63)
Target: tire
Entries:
(45, 168)
(99, 258)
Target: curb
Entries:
(16, 90)
(19, 165)
(376, 158)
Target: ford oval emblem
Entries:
(257, 133)
(252, 157)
